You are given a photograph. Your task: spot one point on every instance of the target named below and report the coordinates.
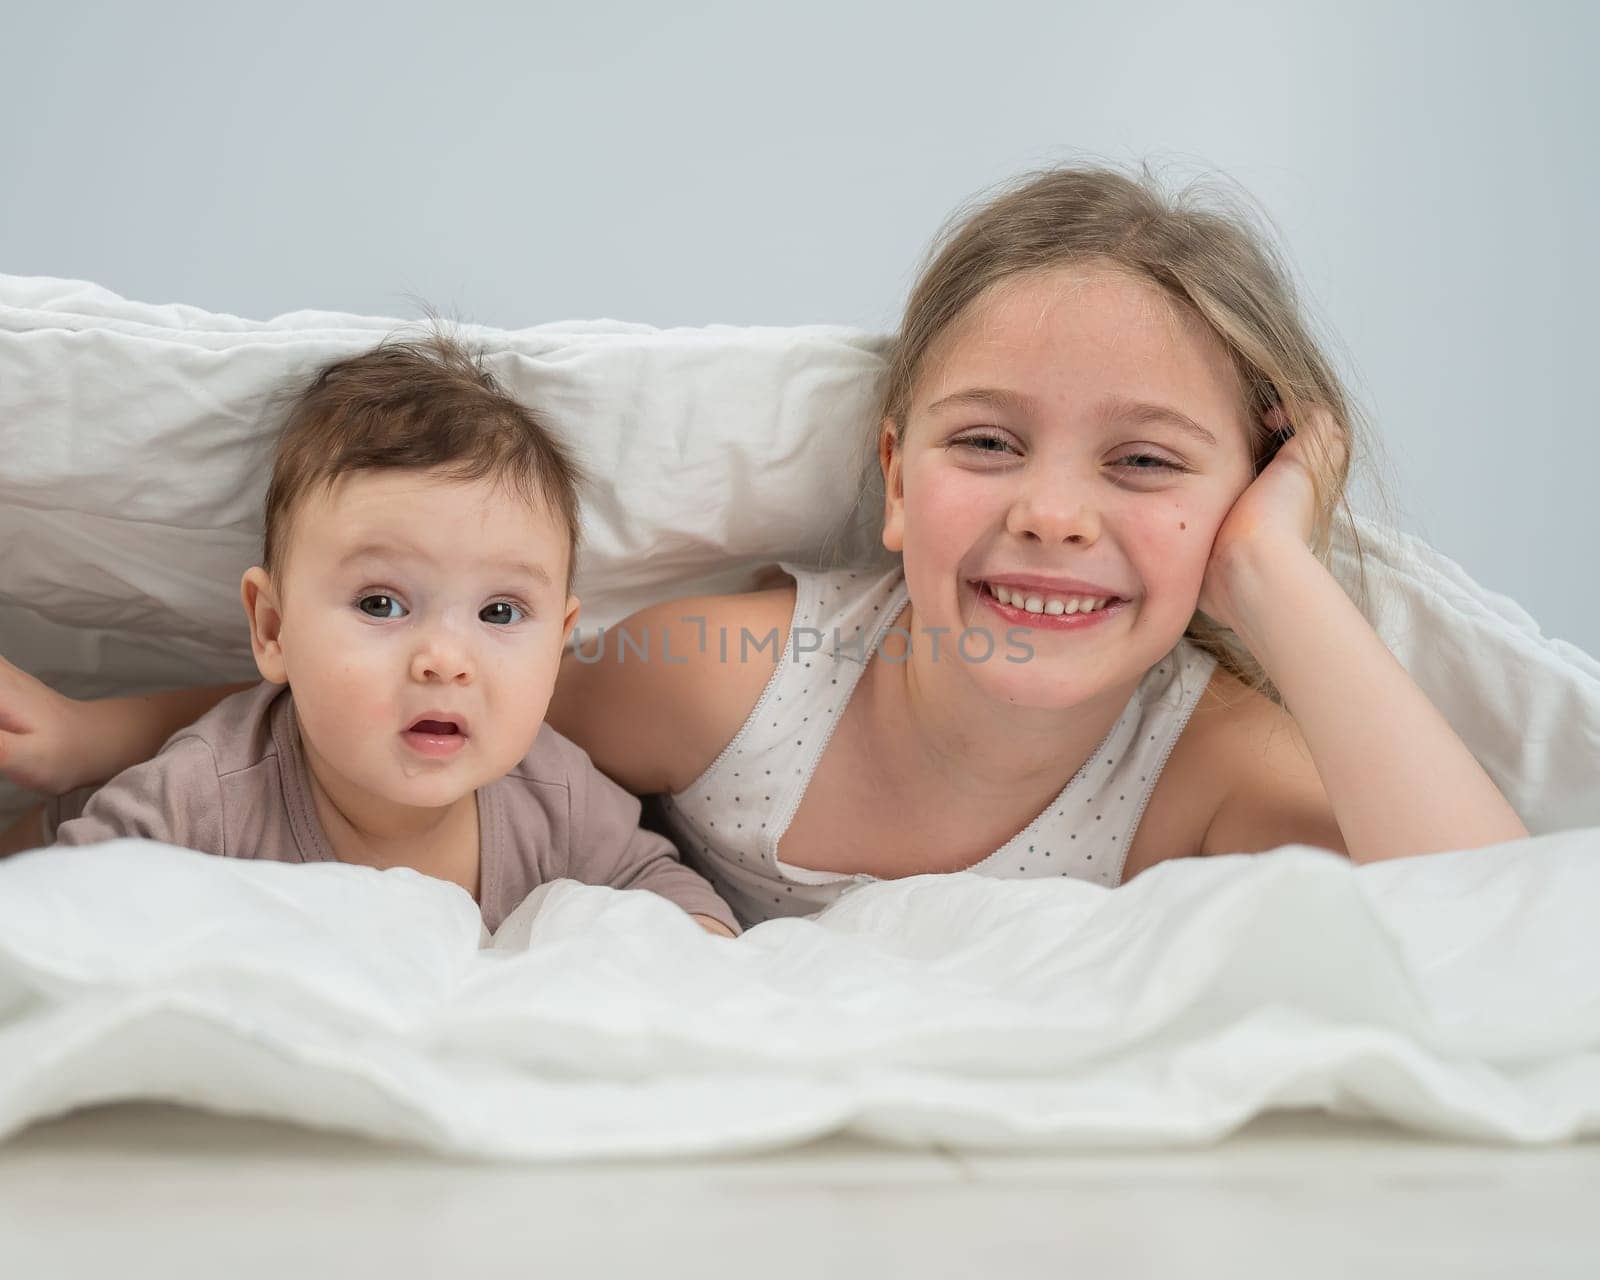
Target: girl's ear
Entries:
(889, 461)
(266, 624)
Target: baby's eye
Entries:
(498, 612)
(381, 606)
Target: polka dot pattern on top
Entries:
(729, 830)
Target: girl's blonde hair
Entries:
(1210, 260)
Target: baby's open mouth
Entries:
(435, 728)
(436, 734)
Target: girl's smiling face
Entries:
(1060, 429)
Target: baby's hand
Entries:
(36, 730)
(712, 925)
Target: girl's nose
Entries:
(1041, 515)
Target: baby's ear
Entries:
(573, 609)
(266, 624)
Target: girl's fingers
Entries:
(1319, 422)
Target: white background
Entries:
(1431, 166)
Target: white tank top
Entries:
(728, 822)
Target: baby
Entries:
(408, 618)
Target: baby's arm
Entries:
(607, 846)
(655, 724)
(52, 743)
(175, 798)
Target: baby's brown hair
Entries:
(425, 404)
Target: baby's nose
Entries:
(441, 663)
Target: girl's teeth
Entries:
(1053, 605)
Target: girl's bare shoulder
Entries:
(1232, 726)
(668, 687)
(1228, 705)
(1272, 791)
(1230, 721)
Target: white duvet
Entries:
(1458, 993)
(1455, 994)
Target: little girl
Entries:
(1111, 454)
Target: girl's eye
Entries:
(502, 613)
(984, 443)
(381, 606)
(1132, 462)
(1159, 464)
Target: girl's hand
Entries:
(1278, 506)
(36, 733)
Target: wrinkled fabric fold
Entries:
(1453, 994)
